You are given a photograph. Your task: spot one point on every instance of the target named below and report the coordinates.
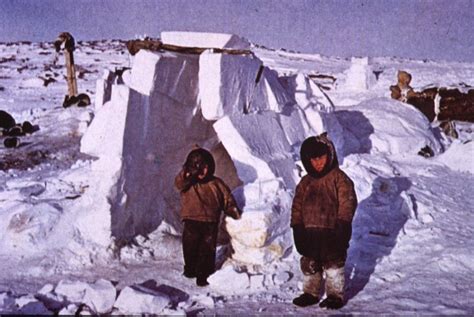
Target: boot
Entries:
(305, 300)
(202, 281)
(332, 303)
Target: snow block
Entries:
(270, 94)
(308, 94)
(172, 74)
(143, 72)
(103, 88)
(359, 77)
(261, 235)
(105, 135)
(227, 84)
(295, 126)
(321, 121)
(220, 281)
(258, 146)
(136, 300)
(205, 40)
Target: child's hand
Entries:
(235, 213)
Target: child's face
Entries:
(204, 172)
(319, 162)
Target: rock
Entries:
(11, 142)
(6, 120)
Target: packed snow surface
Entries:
(92, 177)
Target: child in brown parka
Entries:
(321, 218)
(203, 198)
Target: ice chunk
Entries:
(274, 250)
(137, 300)
(205, 40)
(220, 281)
(70, 309)
(98, 296)
(73, 291)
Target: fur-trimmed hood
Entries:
(307, 152)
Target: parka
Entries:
(205, 200)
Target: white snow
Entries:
(459, 156)
(205, 40)
(62, 210)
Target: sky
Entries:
(419, 29)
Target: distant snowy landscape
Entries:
(89, 218)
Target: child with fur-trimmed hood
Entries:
(321, 218)
(203, 198)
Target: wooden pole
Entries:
(71, 74)
(69, 46)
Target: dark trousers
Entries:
(199, 247)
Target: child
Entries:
(321, 217)
(203, 197)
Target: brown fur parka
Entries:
(322, 200)
(205, 200)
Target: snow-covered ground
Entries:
(411, 250)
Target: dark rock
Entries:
(11, 142)
(6, 120)
(426, 152)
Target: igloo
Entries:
(229, 103)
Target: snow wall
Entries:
(252, 121)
